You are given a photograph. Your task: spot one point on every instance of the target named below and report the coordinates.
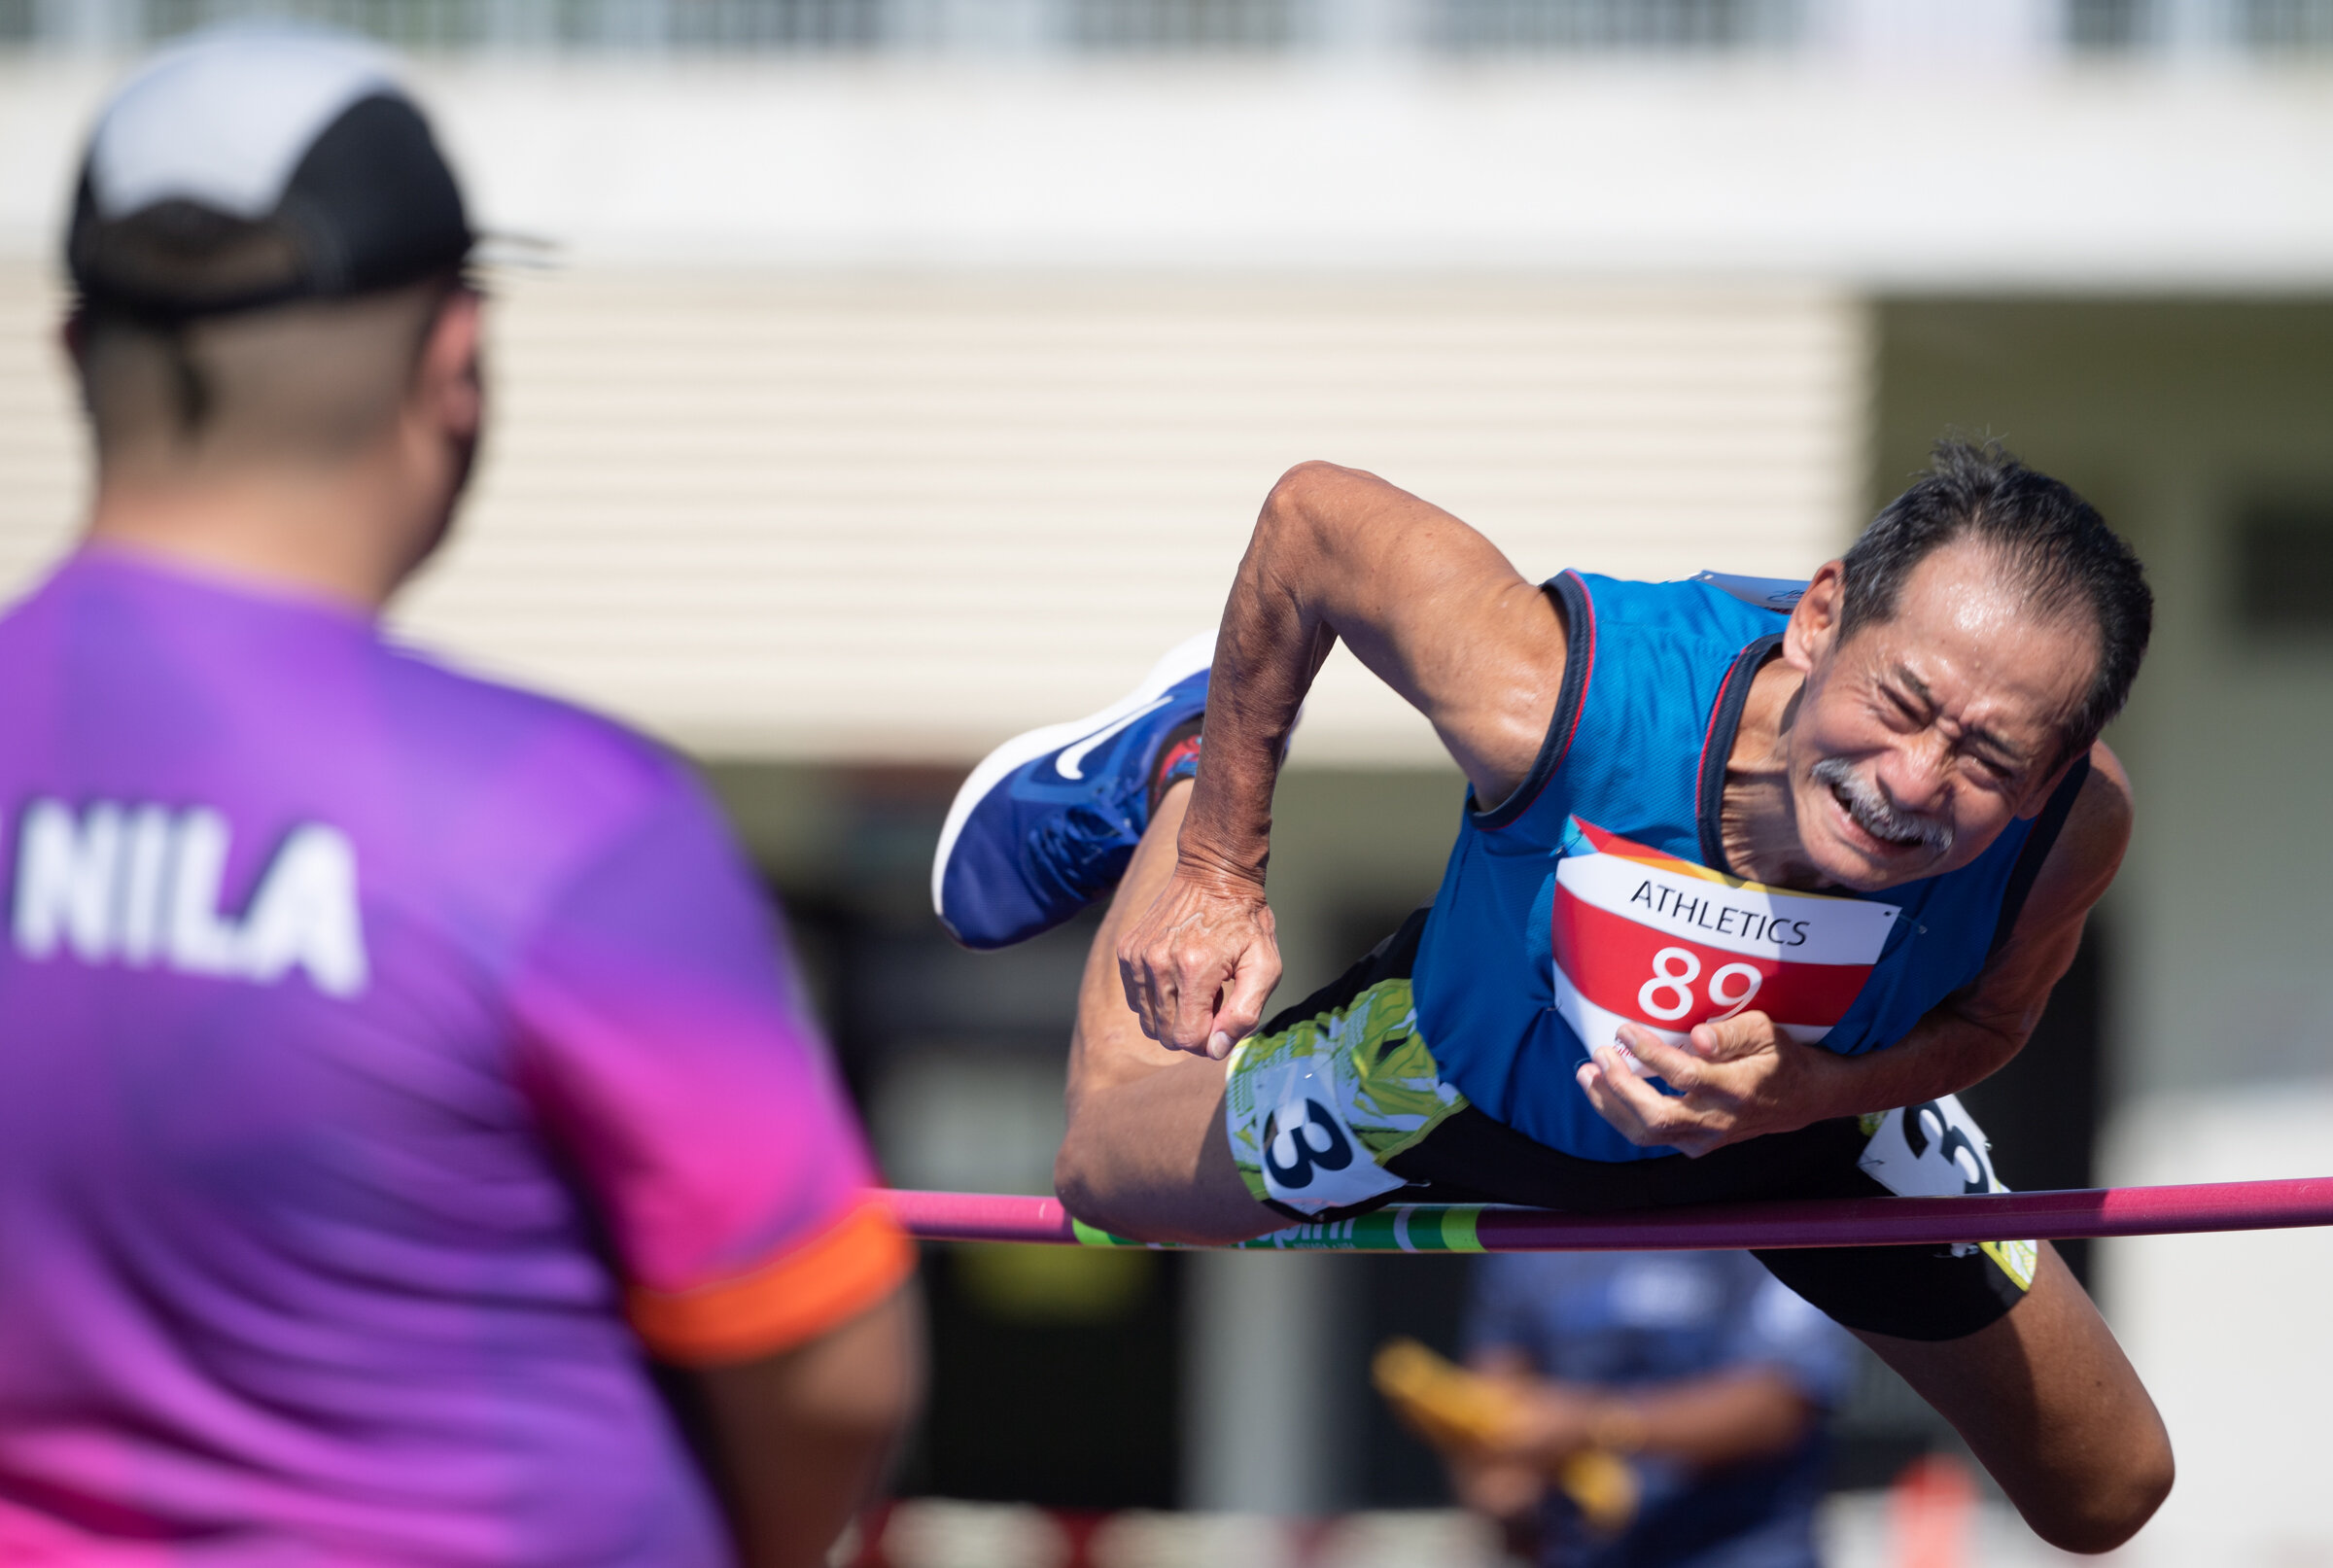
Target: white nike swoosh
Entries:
(1072, 763)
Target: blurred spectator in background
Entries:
(1708, 1376)
(390, 1057)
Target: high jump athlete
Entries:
(391, 1063)
(1749, 883)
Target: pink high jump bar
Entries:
(2234, 1205)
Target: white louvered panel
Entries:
(44, 485)
(903, 518)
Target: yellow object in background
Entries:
(1442, 1399)
(1602, 1485)
(1451, 1404)
(1029, 1284)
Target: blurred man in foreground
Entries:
(1702, 1371)
(389, 1056)
(1752, 876)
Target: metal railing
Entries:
(2268, 28)
(2260, 28)
(2285, 27)
(443, 25)
(1662, 26)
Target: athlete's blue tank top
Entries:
(1634, 768)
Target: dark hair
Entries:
(2049, 540)
(316, 376)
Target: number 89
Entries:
(1674, 972)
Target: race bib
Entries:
(1313, 1160)
(1311, 1156)
(1935, 1149)
(1643, 937)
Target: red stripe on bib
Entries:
(1667, 982)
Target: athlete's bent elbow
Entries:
(1306, 481)
(1300, 502)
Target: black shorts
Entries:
(1381, 1126)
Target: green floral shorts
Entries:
(1330, 1090)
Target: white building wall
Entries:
(903, 517)
(43, 463)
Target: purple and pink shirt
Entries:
(385, 1055)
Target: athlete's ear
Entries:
(1814, 625)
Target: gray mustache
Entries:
(1875, 816)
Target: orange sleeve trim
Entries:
(814, 1286)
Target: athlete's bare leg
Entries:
(1146, 1155)
(2049, 1405)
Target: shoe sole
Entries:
(1179, 663)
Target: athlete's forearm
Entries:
(1428, 605)
(1744, 1078)
(1276, 632)
(1434, 612)
(1969, 1037)
(1977, 1032)
(1266, 656)
(1943, 1055)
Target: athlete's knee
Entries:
(1103, 1179)
(2125, 1503)
(1097, 1194)
(1091, 1175)
(2119, 1492)
(1081, 1178)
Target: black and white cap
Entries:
(252, 167)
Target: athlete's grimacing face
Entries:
(1914, 743)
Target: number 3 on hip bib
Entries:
(1642, 937)
(1935, 1149)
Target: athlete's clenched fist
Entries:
(1200, 962)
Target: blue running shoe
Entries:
(1048, 820)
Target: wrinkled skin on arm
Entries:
(1434, 611)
